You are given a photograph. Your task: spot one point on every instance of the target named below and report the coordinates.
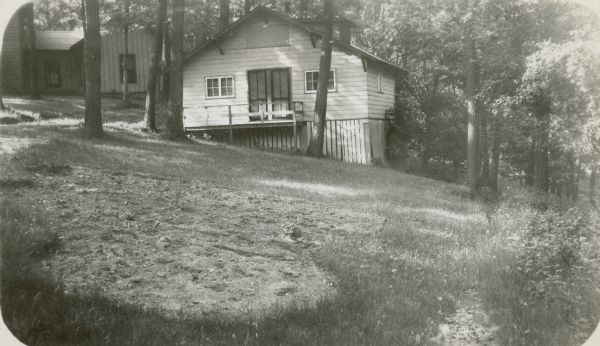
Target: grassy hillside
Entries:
(416, 247)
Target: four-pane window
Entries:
(312, 80)
(219, 87)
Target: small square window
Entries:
(312, 81)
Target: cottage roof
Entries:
(57, 40)
(348, 47)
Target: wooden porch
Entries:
(243, 116)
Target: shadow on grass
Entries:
(40, 312)
(386, 293)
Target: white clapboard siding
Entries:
(140, 43)
(350, 100)
(380, 101)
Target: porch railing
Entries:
(235, 115)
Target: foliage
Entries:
(57, 14)
(551, 253)
(541, 288)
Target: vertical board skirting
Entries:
(356, 141)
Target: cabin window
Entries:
(311, 80)
(131, 69)
(379, 83)
(219, 87)
(52, 73)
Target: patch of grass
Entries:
(395, 284)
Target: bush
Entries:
(558, 264)
(552, 250)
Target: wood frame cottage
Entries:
(255, 83)
(59, 59)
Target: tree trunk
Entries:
(472, 157)
(287, 7)
(493, 177)
(484, 149)
(175, 121)
(125, 97)
(579, 171)
(247, 6)
(93, 102)
(32, 61)
(542, 176)
(315, 146)
(592, 188)
(425, 158)
(224, 14)
(2, 107)
(167, 52)
(150, 111)
(570, 191)
(530, 170)
(124, 69)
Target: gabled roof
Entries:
(336, 20)
(57, 40)
(258, 9)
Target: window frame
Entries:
(52, 64)
(219, 78)
(379, 82)
(335, 86)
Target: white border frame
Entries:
(219, 78)
(335, 86)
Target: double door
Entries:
(269, 90)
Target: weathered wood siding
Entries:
(380, 101)
(348, 101)
(12, 56)
(141, 44)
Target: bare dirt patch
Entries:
(187, 245)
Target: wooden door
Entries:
(280, 89)
(257, 91)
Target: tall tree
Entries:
(592, 188)
(247, 6)
(31, 52)
(93, 102)
(472, 123)
(175, 120)
(150, 111)
(124, 62)
(166, 89)
(315, 146)
(224, 14)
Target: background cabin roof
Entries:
(57, 40)
(336, 20)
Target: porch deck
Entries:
(239, 116)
